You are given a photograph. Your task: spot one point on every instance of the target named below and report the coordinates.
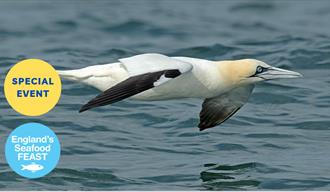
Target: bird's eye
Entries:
(259, 69)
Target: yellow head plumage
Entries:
(247, 71)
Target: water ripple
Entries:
(278, 140)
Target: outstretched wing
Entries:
(146, 71)
(218, 109)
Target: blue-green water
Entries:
(279, 140)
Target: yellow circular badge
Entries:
(32, 87)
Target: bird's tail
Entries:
(73, 75)
(99, 76)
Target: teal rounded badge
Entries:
(32, 150)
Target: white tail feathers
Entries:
(99, 76)
(74, 75)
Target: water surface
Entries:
(279, 140)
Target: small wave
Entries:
(87, 179)
(269, 135)
(68, 24)
(210, 52)
(230, 177)
(259, 6)
(139, 27)
(230, 147)
(296, 184)
(312, 125)
(252, 26)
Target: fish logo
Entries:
(33, 167)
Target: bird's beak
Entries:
(278, 73)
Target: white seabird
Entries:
(225, 85)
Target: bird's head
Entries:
(249, 71)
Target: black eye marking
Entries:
(259, 69)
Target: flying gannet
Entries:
(225, 85)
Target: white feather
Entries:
(161, 80)
(101, 77)
(152, 62)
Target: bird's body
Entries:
(198, 83)
(201, 82)
(225, 85)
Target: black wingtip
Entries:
(203, 125)
(83, 108)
